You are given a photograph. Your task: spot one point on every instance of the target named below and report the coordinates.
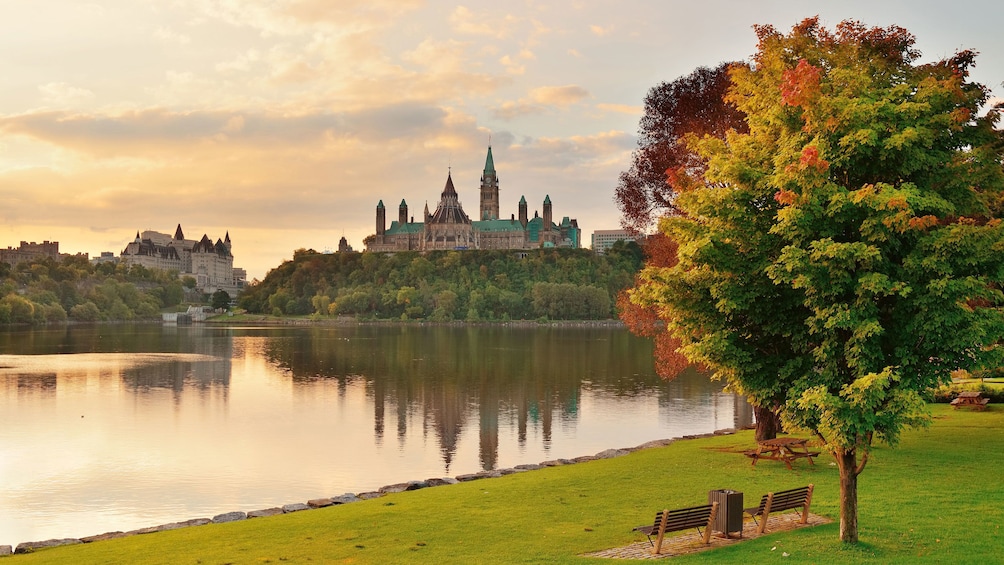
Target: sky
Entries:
(284, 122)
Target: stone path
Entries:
(692, 542)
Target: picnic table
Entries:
(785, 449)
(970, 398)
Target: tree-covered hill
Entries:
(557, 284)
(49, 291)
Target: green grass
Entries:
(935, 499)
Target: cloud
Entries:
(490, 25)
(600, 31)
(622, 109)
(170, 36)
(62, 95)
(541, 100)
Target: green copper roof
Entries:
(547, 199)
(497, 225)
(403, 203)
(489, 163)
(380, 204)
(522, 199)
(399, 228)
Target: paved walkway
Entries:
(692, 542)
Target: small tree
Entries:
(220, 300)
(849, 243)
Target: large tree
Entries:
(663, 165)
(849, 242)
(691, 104)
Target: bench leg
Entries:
(662, 533)
(766, 514)
(711, 521)
(808, 502)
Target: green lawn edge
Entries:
(934, 499)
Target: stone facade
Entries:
(32, 251)
(210, 264)
(449, 227)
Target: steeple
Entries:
(178, 235)
(489, 189)
(226, 241)
(522, 211)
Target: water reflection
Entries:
(155, 424)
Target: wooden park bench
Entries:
(682, 519)
(780, 501)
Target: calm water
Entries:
(120, 427)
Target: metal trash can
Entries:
(729, 518)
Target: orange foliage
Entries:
(810, 159)
(785, 197)
(800, 85)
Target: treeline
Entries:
(49, 291)
(556, 284)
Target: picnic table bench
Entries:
(791, 499)
(971, 399)
(681, 519)
(785, 449)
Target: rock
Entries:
(147, 530)
(369, 495)
(265, 512)
(502, 472)
(196, 522)
(399, 487)
(611, 453)
(295, 507)
(655, 443)
(5, 550)
(469, 477)
(319, 502)
(441, 482)
(30, 546)
(229, 517)
(101, 537)
(584, 458)
(528, 467)
(346, 498)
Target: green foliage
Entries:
(448, 285)
(220, 300)
(46, 291)
(844, 256)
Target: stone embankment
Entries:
(31, 546)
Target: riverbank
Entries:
(267, 320)
(558, 514)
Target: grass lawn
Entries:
(937, 498)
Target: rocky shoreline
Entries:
(347, 498)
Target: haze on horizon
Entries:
(285, 121)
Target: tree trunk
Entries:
(848, 465)
(767, 423)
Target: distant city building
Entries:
(605, 239)
(105, 257)
(343, 246)
(210, 264)
(32, 251)
(449, 227)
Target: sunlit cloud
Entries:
(62, 95)
(171, 36)
(541, 100)
(622, 109)
(599, 30)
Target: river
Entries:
(118, 427)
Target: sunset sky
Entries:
(285, 121)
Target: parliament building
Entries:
(449, 227)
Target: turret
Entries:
(381, 219)
(522, 211)
(547, 213)
(402, 213)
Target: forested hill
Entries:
(556, 284)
